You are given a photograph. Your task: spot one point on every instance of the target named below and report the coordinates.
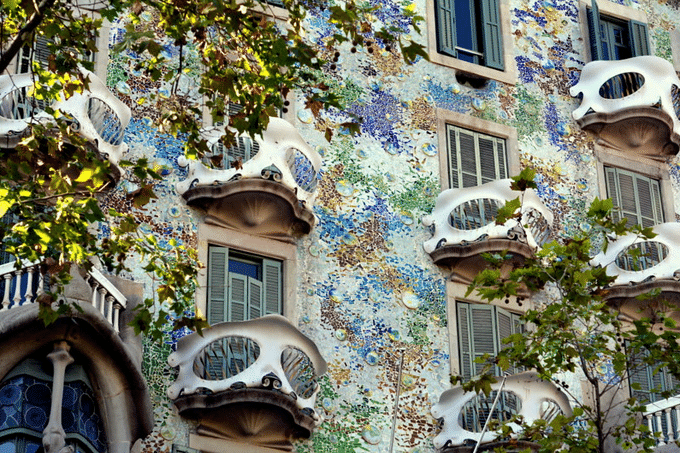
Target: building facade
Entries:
(359, 251)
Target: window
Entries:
(636, 197)
(481, 330)
(25, 404)
(242, 286)
(615, 39)
(470, 30)
(652, 384)
(474, 158)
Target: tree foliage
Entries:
(573, 331)
(247, 52)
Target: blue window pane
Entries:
(248, 269)
(465, 20)
(8, 447)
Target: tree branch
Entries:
(20, 39)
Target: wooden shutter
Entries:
(475, 158)
(484, 333)
(446, 27)
(255, 299)
(238, 285)
(218, 262)
(644, 375)
(639, 40)
(273, 284)
(491, 34)
(594, 28)
(464, 342)
(637, 197)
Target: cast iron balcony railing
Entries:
(96, 114)
(23, 286)
(233, 365)
(463, 222)
(264, 185)
(634, 104)
(462, 415)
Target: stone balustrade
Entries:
(465, 216)
(26, 284)
(662, 418)
(462, 414)
(280, 154)
(654, 259)
(266, 353)
(96, 114)
(633, 104)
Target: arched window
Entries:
(25, 400)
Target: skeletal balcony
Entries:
(96, 114)
(632, 105)
(263, 186)
(25, 285)
(252, 381)
(463, 226)
(641, 265)
(462, 415)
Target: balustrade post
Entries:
(102, 298)
(5, 298)
(109, 308)
(17, 288)
(95, 286)
(116, 316)
(29, 285)
(662, 439)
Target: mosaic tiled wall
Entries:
(368, 294)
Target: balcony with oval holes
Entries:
(641, 265)
(462, 415)
(632, 105)
(253, 382)
(95, 114)
(263, 186)
(463, 227)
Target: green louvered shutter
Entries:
(218, 261)
(446, 27)
(475, 158)
(464, 342)
(637, 197)
(238, 285)
(485, 334)
(639, 40)
(491, 33)
(254, 298)
(594, 29)
(273, 287)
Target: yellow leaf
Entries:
(85, 175)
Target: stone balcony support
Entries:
(252, 381)
(264, 186)
(632, 104)
(536, 398)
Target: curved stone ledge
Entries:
(527, 386)
(270, 192)
(97, 115)
(258, 206)
(640, 111)
(667, 234)
(522, 236)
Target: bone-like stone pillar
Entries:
(54, 437)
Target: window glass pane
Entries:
(251, 270)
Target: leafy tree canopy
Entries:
(248, 52)
(573, 330)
